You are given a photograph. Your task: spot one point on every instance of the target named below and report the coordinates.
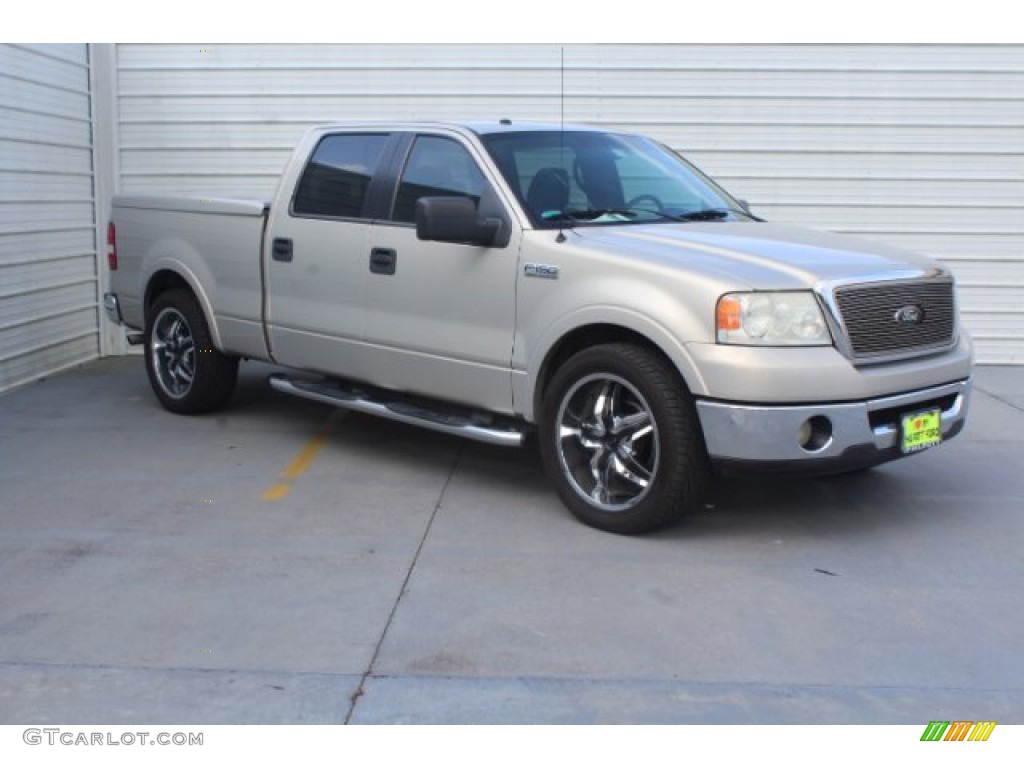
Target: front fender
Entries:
(605, 320)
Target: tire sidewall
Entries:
(214, 373)
(680, 473)
(159, 313)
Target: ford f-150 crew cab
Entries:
(496, 279)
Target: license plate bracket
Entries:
(920, 430)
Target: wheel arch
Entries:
(169, 278)
(593, 334)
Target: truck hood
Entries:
(762, 255)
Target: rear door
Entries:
(319, 254)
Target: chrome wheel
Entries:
(607, 442)
(173, 353)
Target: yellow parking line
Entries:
(303, 460)
(298, 466)
(276, 492)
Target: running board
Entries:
(472, 428)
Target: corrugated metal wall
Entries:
(919, 146)
(48, 276)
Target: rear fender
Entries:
(165, 273)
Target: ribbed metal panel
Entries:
(48, 278)
(921, 146)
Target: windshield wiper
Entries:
(589, 214)
(712, 214)
(581, 214)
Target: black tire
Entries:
(187, 374)
(620, 440)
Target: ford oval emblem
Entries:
(911, 314)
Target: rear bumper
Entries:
(113, 308)
(847, 435)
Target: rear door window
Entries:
(335, 182)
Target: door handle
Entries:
(383, 261)
(282, 249)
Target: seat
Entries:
(549, 191)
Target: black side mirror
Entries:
(454, 220)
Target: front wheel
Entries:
(620, 440)
(187, 374)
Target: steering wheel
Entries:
(650, 198)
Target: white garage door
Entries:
(920, 146)
(48, 277)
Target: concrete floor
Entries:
(167, 569)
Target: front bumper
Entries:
(858, 434)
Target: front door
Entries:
(439, 318)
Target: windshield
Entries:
(585, 177)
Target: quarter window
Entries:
(338, 175)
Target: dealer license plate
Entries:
(920, 430)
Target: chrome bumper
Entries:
(858, 434)
(112, 308)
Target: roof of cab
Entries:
(479, 127)
(512, 126)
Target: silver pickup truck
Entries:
(494, 280)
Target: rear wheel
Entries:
(187, 374)
(620, 440)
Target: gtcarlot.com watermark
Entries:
(56, 736)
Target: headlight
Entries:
(772, 319)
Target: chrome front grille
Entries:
(897, 319)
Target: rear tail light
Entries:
(111, 246)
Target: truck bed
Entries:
(215, 244)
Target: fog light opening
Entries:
(815, 434)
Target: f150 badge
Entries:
(541, 270)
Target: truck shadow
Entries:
(860, 502)
(735, 505)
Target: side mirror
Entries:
(454, 220)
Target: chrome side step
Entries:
(480, 428)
